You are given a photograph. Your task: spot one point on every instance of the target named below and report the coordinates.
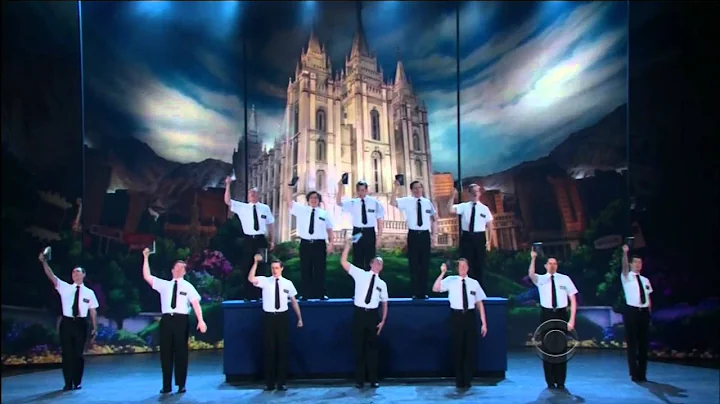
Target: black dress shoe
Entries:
(359, 385)
(166, 391)
(181, 390)
(67, 388)
(636, 379)
(374, 385)
(561, 387)
(281, 387)
(551, 385)
(78, 387)
(269, 388)
(324, 298)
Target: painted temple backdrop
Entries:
(179, 95)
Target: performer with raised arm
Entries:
(421, 218)
(276, 291)
(256, 220)
(370, 291)
(636, 317)
(176, 296)
(77, 302)
(315, 229)
(555, 290)
(476, 224)
(465, 295)
(367, 213)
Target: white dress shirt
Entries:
(408, 205)
(322, 221)
(632, 292)
(267, 284)
(186, 293)
(482, 216)
(362, 283)
(564, 288)
(86, 300)
(453, 285)
(245, 213)
(373, 208)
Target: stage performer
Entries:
(370, 291)
(176, 296)
(315, 228)
(477, 231)
(466, 298)
(77, 302)
(555, 290)
(367, 213)
(637, 313)
(256, 220)
(421, 218)
(276, 291)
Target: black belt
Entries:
(418, 231)
(555, 309)
(473, 232)
(173, 314)
(275, 313)
(254, 235)
(302, 240)
(364, 228)
(75, 318)
(365, 309)
(635, 308)
(462, 311)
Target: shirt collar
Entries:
(79, 284)
(178, 279)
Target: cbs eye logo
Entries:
(554, 343)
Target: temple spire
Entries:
(359, 45)
(400, 77)
(252, 121)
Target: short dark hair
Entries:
(473, 185)
(463, 260)
(551, 258)
(81, 269)
(275, 261)
(180, 262)
(415, 182)
(635, 257)
(311, 193)
(361, 183)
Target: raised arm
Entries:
(452, 207)
(146, 267)
(48, 271)
(344, 258)
(226, 196)
(531, 269)
(625, 263)
(437, 286)
(393, 196)
(251, 276)
(340, 193)
(76, 223)
(289, 198)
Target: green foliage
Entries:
(213, 316)
(123, 338)
(287, 250)
(522, 322)
(18, 337)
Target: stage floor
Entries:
(596, 376)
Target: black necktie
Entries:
(312, 222)
(553, 298)
(173, 301)
(364, 212)
(368, 296)
(277, 293)
(465, 298)
(471, 228)
(256, 221)
(419, 214)
(643, 298)
(76, 302)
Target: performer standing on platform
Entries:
(275, 293)
(367, 212)
(175, 298)
(555, 290)
(421, 218)
(77, 301)
(255, 218)
(638, 308)
(476, 225)
(465, 295)
(370, 290)
(314, 226)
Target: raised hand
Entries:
(625, 248)
(146, 252)
(443, 268)
(533, 254)
(228, 180)
(41, 257)
(258, 257)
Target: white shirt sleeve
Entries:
(328, 221)
(402, 203)
(649, 287)
(292, 292)
(261, 281)
(460, 208)
(354, 271)
(193, 295)
(93, 300)
(62, 287)
(433, 211)
(384, 297)
(379, 210)
(236, 206)
(270, 219)
(445, 284)
(479, 292)
(571, 289)
(160, 285)
(489, 214)
(296, 209)
(347, 205)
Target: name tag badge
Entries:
(647, 287)
(371, 210)
(482, 215)
(86, 300)
(428, 211)
(183, 293)
(321, 218)
(378, 289)
(563, 287)
(286, 291)
(472, 292)
(263, 216)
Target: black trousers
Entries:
(277, 336)
(73, 335)
(464, 336)
(555, 373)
(251, 246)
(313, 264)
(364, 250)
(474, 250)
(365, 344)
(174, 334)
(418, 246)
(637, 324)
